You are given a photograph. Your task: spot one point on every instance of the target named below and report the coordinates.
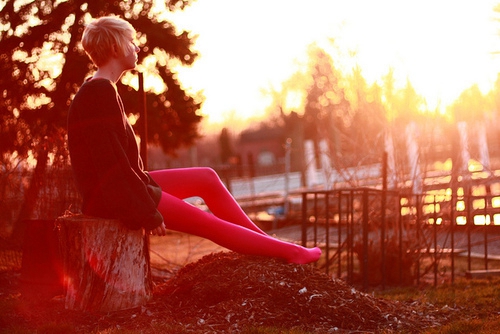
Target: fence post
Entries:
(383, 204)
(434, 231)
(453, 221)
(486, 200)
(315, 227)
(339, 238)
(304, 219)
(418, 206)
(468, 222)
(351, 235)
(365, 239)
(400, 237)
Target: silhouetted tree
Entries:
(226, 150)
(327, 111)
(368, 123)
(42, 65)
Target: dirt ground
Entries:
(202, 288)
(178, 249)
(226, 292)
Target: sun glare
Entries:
(294, 100)
(441, 47)
(250, 48)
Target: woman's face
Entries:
(130, 54)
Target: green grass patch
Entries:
(477, 302)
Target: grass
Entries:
(478, 302)
(473, 306)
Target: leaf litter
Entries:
(226, 292)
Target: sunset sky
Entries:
(442, 46)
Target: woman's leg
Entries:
(184, 217)
(205, 183)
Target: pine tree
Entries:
(42, 65)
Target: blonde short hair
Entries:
(102, 34)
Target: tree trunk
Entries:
(106, 265)
(31, 196)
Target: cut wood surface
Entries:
(106, 265)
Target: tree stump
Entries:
(106, 265)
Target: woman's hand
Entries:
(160, 230)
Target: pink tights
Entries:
(227, 225)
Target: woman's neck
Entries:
(108, 72)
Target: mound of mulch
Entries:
(226, 292)
(230, 293)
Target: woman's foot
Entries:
(305, 255)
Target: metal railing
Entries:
(372, 237)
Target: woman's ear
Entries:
(115, 51)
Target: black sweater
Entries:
(105, 159)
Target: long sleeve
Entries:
(106, 161)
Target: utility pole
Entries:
(143, 122)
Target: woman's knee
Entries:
(208, 174)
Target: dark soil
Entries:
(230, 293)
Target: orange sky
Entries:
(443, 46)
